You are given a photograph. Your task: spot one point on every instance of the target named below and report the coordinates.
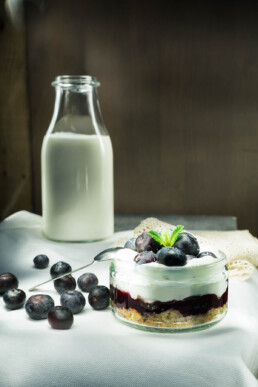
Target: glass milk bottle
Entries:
(77, 165)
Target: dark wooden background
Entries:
(179, 96)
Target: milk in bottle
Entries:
(77, 166)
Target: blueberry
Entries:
(8, 281)
(204, 253)
(130, 244)
(60, 317)
(171, 256)
(99, 297)
(187, 243)
(144, 242)
(145, 257)
(60, 268)
(73, 300)
(14, 298)
(41, 261)
(65, 283)
(87, 282)
(38, 306)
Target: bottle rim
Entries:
(75, 81)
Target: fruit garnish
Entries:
(38, 306)
(87, 282)
(73, 300)
(14, 299)
(8, 281)
(60, 268)
(67, 282)
(130, 244)
(167, 238)
(99, 297)
(171, 256)
(187, 243)
(144, 242)
(145, 257)
(60, 317)
(41, 261)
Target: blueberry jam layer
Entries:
(192, 305)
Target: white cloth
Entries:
(100, 351)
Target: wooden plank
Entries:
(15, 182)
(125, 222)
(179, 98)
(53, 37)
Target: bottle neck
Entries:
(76, 103)
(77, 110)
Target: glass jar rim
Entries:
(221, 259)
(75, 81)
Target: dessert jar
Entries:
(155, 297)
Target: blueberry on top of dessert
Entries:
(171, 256)
(130, 244)
(187, 243)
(169, 248)
(145, 242)
(145, 257)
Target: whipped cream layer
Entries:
(155, 282)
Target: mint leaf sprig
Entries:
(165, 238)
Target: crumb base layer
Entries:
(170, 320)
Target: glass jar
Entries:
(77, 165)
(155, 297)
